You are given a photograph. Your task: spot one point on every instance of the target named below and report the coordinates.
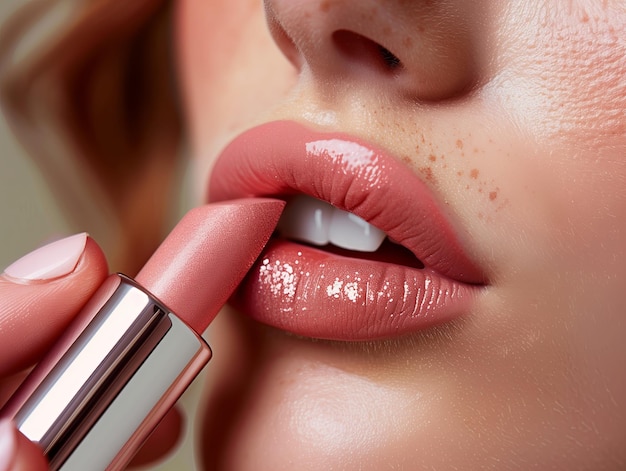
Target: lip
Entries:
(315, 293)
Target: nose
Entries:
(420, 49)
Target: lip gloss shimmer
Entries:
(135, 347)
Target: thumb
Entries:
(17, 453)
(41, 293)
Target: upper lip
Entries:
(350, 174)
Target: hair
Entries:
(94, 103)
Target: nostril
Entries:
(390, 59)
(364, 51)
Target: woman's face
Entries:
(489, 138)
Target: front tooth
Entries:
(306, 219)
(354, 233)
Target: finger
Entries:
(17, 453)
(41, 293)
(163, 440)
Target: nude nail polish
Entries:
(54, 260)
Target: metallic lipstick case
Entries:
(120, 367)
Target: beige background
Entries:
(28, 213)
(30, 217)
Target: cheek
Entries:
(572, 70)
(588, 97)
(564, 85)
(565, 72)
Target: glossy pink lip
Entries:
(315, 293)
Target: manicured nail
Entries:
(8, 444)
(50, 261)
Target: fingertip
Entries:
(92, 265)
(29, 456)
(34, 312)
(55, 262)
(17, 453)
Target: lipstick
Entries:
(136, 347)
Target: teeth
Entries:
(316, 222)
(351, 232)
(306, 219)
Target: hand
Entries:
(40, 294)
(17, 453)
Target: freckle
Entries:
(428, 173)
(459, 143)
(493, 195)
(480, 190)
(475, 150)
(386, 31)
(406, 159)
(432, 157)
(474, 173)
(407, 41)
(460, 173)
(443, 157)
(467, 187)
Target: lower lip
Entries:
(314, 293)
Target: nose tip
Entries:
(421, 50)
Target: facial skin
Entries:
(513, 114)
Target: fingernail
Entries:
(50, 261)
(8, 444)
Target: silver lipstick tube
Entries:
(121, 366)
